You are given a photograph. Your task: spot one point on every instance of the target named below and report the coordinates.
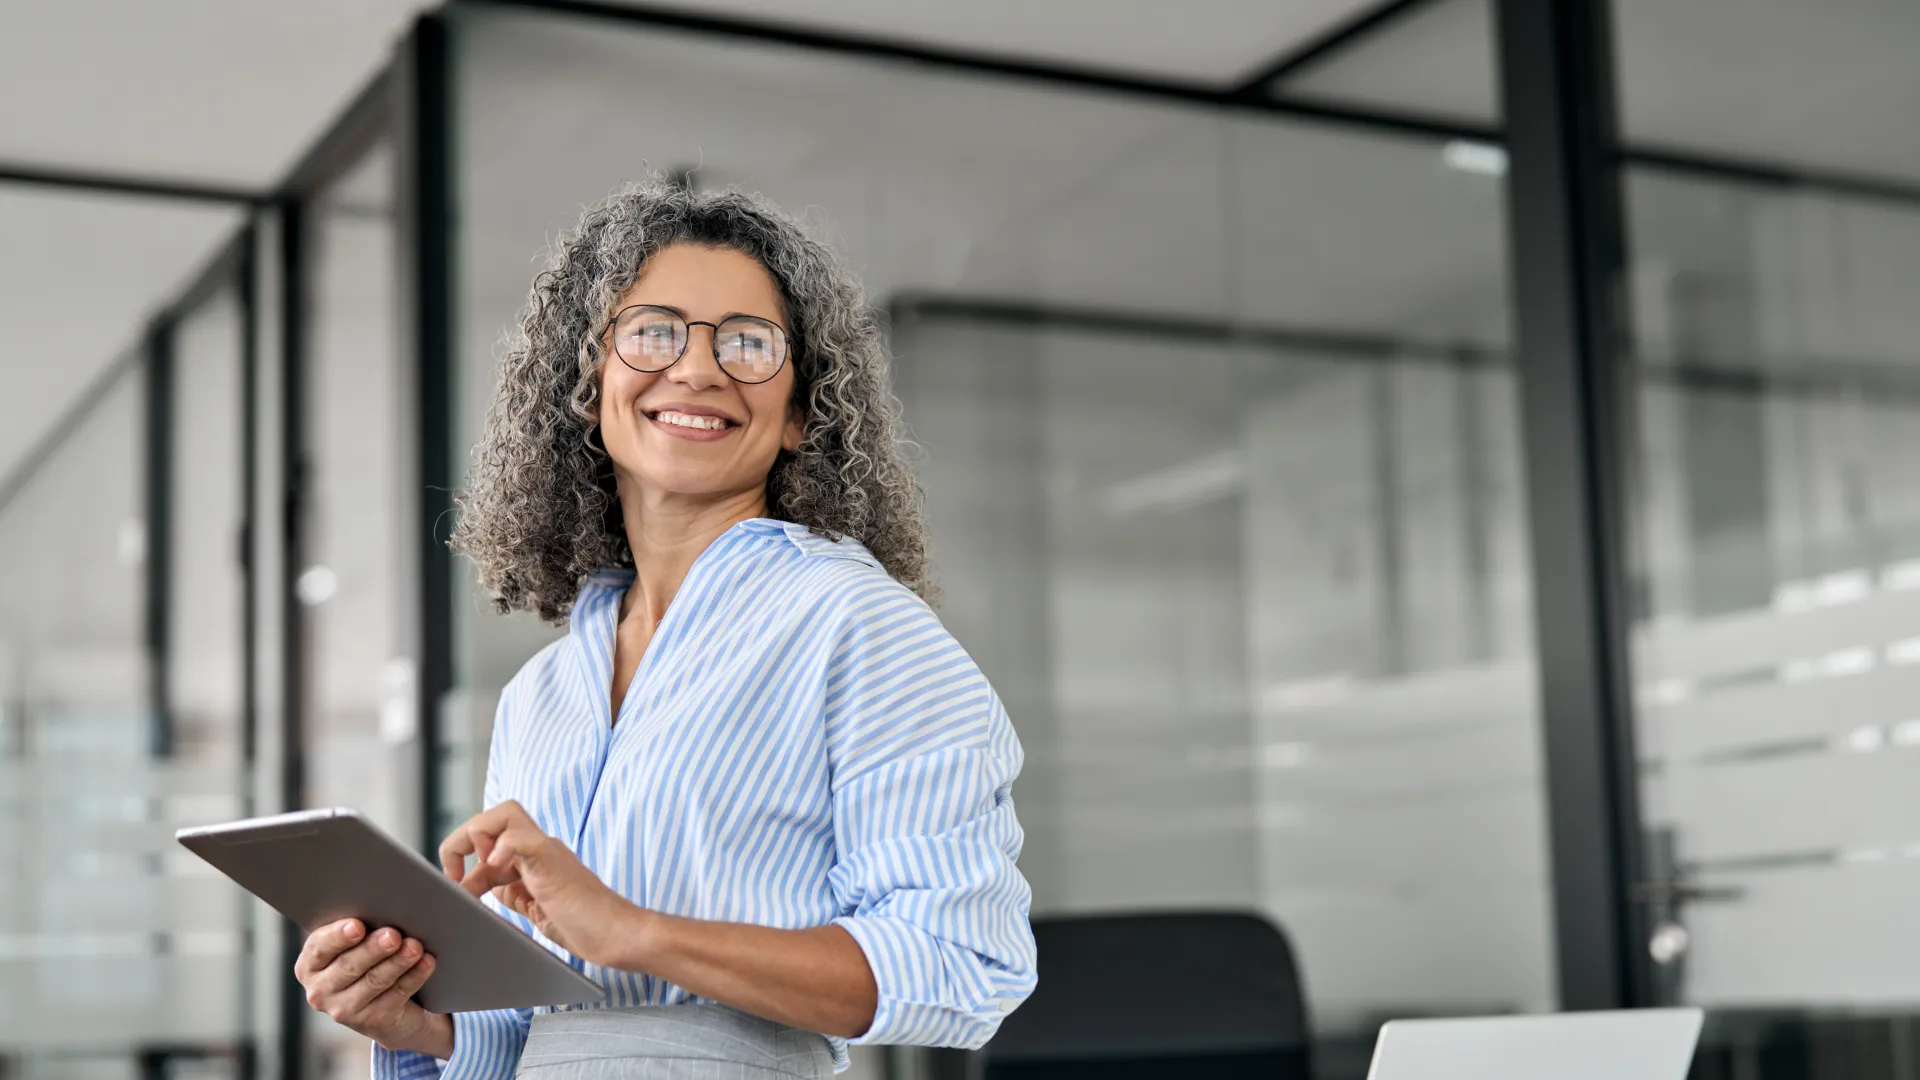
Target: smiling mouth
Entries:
(691, 420)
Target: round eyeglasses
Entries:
(651, 339)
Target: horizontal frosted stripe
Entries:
(1742, 641)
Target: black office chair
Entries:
(1208, 995)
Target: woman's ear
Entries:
(796, 428)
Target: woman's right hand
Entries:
(366, 982)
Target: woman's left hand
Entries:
(539, 877)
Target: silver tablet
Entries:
(320, 866)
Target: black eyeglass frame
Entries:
(786, 341)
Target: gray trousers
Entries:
(670, 1042)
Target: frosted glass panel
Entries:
(1778, 528)
(113, 939)
(1262, 618)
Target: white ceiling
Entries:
(228, 91)
(232, 92)
(1830, 86)
(1437, 60)
(1217, 42)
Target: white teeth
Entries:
(687, 420)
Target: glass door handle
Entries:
(1676, 893)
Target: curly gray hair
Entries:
(540, 511)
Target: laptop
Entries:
(1636, 1044)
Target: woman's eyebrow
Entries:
(775, 320)
(723, 317)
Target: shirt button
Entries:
(1007, 1005)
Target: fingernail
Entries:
(354, 931)
(411, 949)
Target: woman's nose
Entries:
(700, 366)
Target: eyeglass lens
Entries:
(653, 339)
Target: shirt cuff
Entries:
(402, 1064)
(486, 1045)
(921, 999)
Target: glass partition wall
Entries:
(1219, 449)
(1777, 377)
(1772, 233)
(195, 411)
(123, 708)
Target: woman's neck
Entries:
(667, 535)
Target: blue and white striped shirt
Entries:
(802, 744)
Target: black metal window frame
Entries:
(345, 143)
(1568, 257)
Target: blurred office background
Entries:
(1242, 491)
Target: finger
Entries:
(326, 943)
(518, 900)
(514, 897)
(510, 851)
(483, 877)
(516, 846)
(477, 830)
(349, 966)
(513, 853)
(455, 849)
(354, 999)
(395, 998)
(381, 976)
(514, 819)
(488, 873)
(416, 976)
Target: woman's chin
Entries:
(693, 482)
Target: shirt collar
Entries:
(803, 538)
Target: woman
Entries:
(757, 791)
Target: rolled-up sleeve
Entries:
(924, 758)
(486, 1045)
